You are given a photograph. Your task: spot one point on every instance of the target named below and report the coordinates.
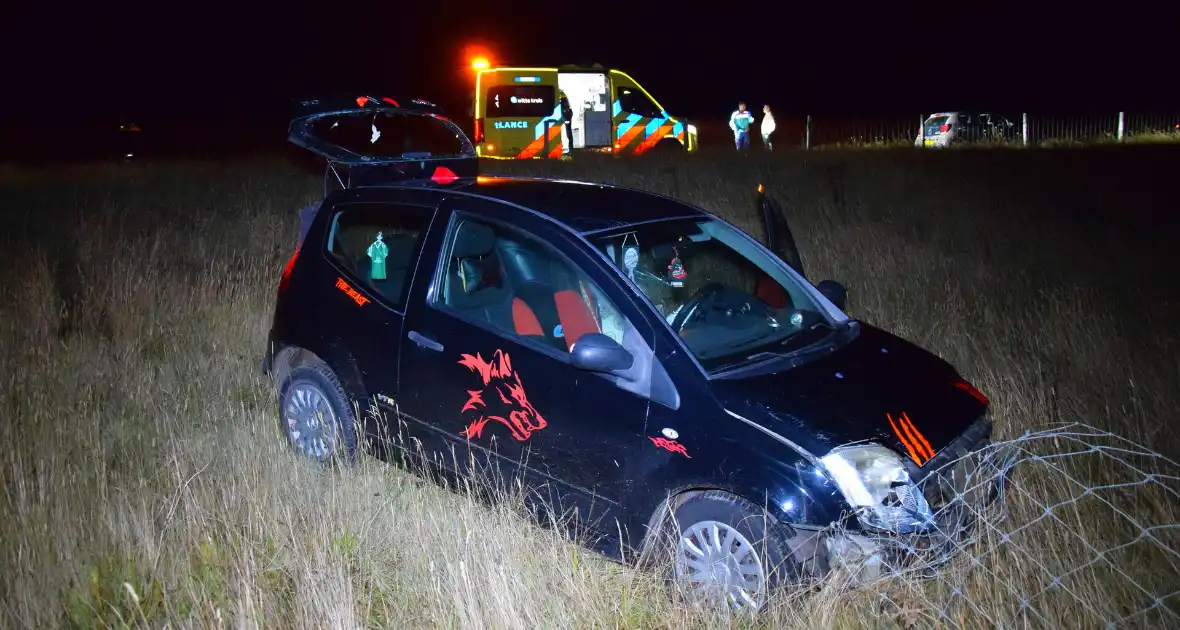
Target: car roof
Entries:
(582, 207)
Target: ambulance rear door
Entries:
(589, 98)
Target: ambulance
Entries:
(519, 114)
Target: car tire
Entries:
(758, 553)
(316, 415)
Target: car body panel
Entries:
(475, 389)
(583, 207)
(859, 393)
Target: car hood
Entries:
(878, 388)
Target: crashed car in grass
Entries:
(683, 389)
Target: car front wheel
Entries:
(729, 552)
(316, 415)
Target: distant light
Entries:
(480, 63)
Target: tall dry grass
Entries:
(146, 482)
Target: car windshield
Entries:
(728, 300)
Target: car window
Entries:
(522, 287)
(934, 124)
(723, 297)
(634, 101)
(519, 101)
(377, 245)
(390, 134)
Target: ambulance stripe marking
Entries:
(652, 139)
(627, 124)
(632, 133)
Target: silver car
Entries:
(945, 128)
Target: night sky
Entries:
(217, 61)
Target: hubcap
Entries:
(310, 421)
(719, 564)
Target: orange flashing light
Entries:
(480, 63)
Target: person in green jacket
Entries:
(740, 121)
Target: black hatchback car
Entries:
(642, 360)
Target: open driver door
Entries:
(778, 233)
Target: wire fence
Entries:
(981, 128)
(1087, 535)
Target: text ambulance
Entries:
(519, 114)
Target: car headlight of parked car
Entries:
(875, 483)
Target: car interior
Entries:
(516, 285)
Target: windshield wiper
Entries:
(765, 355)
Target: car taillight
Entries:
(286, 278)
(945, 128)
(478, 130)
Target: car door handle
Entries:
(425, 342)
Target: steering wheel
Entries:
(713, 297)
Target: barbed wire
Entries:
(1084, 533)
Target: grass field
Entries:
(146, 482)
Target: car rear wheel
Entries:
(316, 416)
(729, 553)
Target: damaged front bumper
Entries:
(965, 489)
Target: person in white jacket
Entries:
(767, 127)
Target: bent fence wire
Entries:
(1086, 536)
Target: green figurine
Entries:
(378, 251)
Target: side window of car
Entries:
(632, 100)
(377, 245)
(522, 287)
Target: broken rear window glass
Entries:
(391, 135)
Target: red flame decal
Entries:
(669, 445)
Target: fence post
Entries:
(921, 130)
(807, 134)
(1121, 126)
(1024, 128)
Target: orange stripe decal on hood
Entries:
(915, 443)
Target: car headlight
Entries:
(875, 483)
(692, 130)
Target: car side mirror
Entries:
(595, 352)
(835, 292)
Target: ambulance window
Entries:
(634, 101)
(519, 101)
